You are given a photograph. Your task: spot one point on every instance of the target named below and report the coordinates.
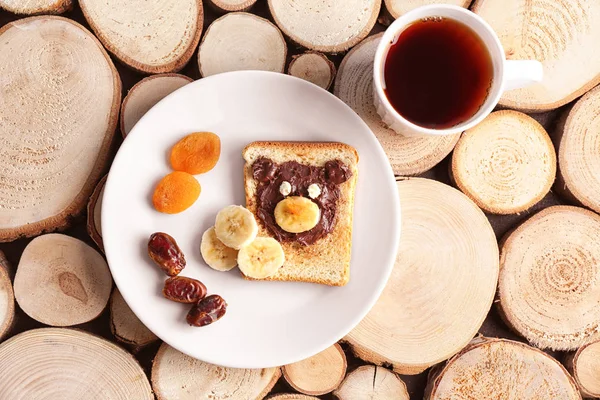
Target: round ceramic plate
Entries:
(267, 324)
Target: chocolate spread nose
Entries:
(270, 176)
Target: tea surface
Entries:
(438, 73)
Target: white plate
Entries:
(267, 324)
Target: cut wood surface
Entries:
(561, 34)
(58, 113)
(330, 26)
(501, 369)
(549, 283)
(149, 36)
(36, 6)
(444, 279)
(354, 86)
(397, 8)
(319, 374)
(505, 164)
(178, 376)
(584, 365)
(241, 41)
(369, 382)
(145, 94)
(232, 5)
(94, 214)
(80, 105)
(61, 281)
(314, 67)
(125, 326)
(7, 298)
(59, 363)
(577, 137)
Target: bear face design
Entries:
(277, 182)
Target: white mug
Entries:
(508, 74)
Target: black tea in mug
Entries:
(438, 73)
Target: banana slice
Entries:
(235, 227)
(215, 253)
(261, 258)
(297, 214)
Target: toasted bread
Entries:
(326, 261)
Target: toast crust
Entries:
(327, 261)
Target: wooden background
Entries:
(493, 326)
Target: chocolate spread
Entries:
(270, 176)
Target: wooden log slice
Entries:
(58, 113)
(354, 86)
(231, 5)
(584, 366)
(94, 214)
(291, 396)
(149, 36)
(178, 376)
(330, 26)
(59, 363)
(371, 382)
(319, 374)
(241, 41)
(444, 279)
(145, 94)
(62, 281)
(314, 67)
(124, 324)
(549, 285)
(561, 34)
(505, 164)
(577, 135)
(7, 298)
(31, 7)
(501, 369)
(397, 8)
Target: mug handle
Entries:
(521, 73)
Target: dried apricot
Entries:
(175, 192)
(196, 153)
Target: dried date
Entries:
(184, 290)
(207, 311)
(165, 252)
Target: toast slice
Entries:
(327, 260)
